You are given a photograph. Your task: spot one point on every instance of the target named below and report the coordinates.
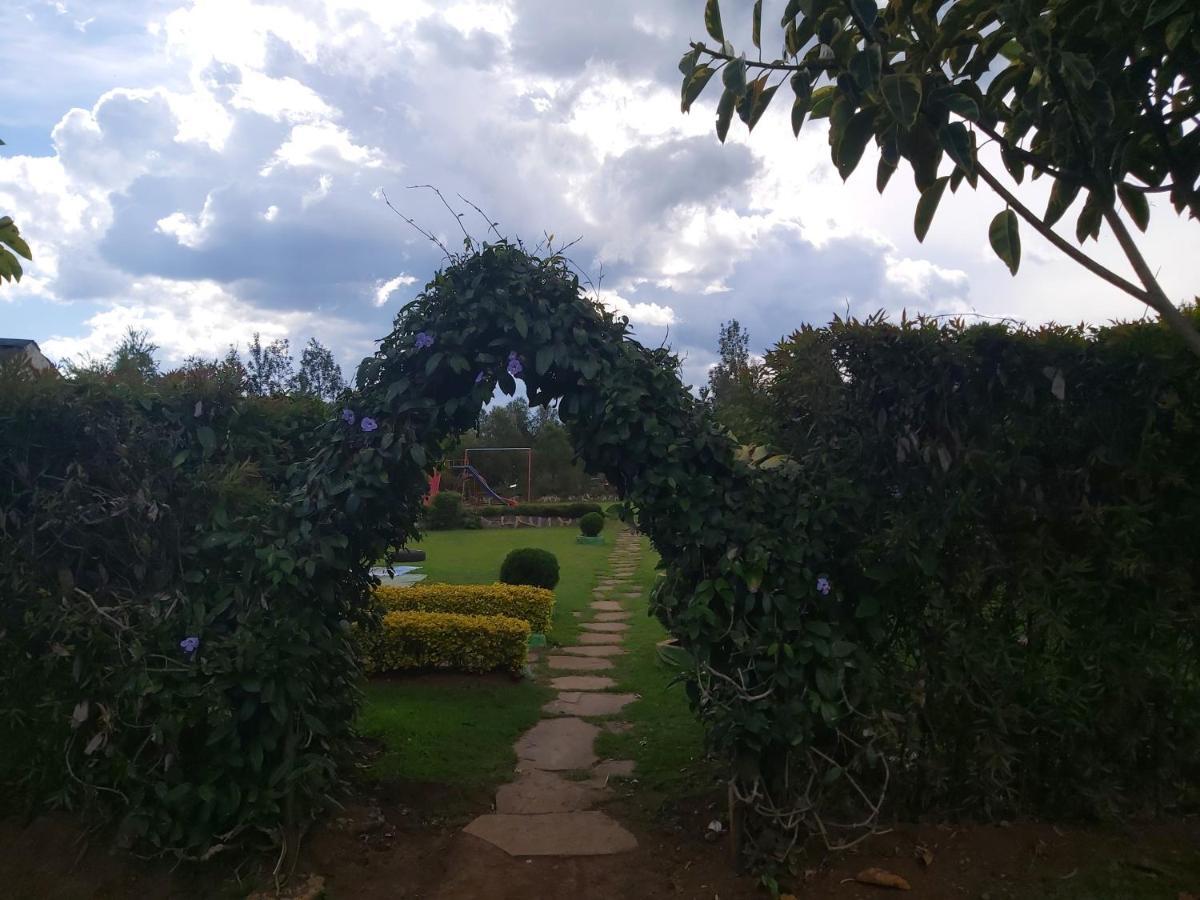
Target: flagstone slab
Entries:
(613, 768)
(606, 605)
(598, 638)
(612, 627)
(536, 791)
(579, 663)
(613, 616)
(589, 703)
(558, 745)
(590, 833)
(601, 650)
(582, 683)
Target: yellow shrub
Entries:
(534, 605)
(419, 640)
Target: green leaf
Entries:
(521, 323)
(687, 64)
(866, 65)
(867, 607)
(849, 150)
(762, 99)
(1062, 195)
(756, 26)
(543, 359)
(961, 105)
(902, 96)
(884, 173)
(802, 88)
(927, 206)
(207, 438)
(1077, 71)
(725, 113)
(959, 145)
(733, 76)
(1178, 29)
(712, 21)
(694, 85)
(1088, 223)
(866, 10)
(1161, 10)
(1006, 239)
(11, 235)
(821, 101)
(1135, 204)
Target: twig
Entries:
(422, 231)
(457, 215)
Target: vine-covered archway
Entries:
(749, 598)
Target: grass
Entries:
(666, 741)
(459, 730)
(474, 557)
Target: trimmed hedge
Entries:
(534, 605)
(572, 510)
(591, 524)
(530, 565)
(422, 640)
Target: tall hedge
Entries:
(167, 660)
(1023, 506)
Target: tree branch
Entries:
(1155, 298)
(777, 66)
(1053, 237)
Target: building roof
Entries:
(16, 343)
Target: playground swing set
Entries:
(475, 488)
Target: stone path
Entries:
(548, 809)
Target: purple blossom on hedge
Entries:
(423, 340)
(189, 644)
(368, 424)
(514, 365)
(348, 416)
(479, 376)
(823, 585)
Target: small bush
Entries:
(445, 511)
(571, 510)
(530, 565)
(591, 524)
(422, 640)
(534, 605)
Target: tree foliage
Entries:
(734, 383)
(12, 245)
(1100, 97)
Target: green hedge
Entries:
(570, 510)
(424, 640)
(530, 565)
(534, 605)
(591, 524)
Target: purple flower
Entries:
(348, 416)
(189, 644)
(368, 424)
(823, 585)
(514, 365)
(479, 376)
(423, 340)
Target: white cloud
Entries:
(323, 145)
(638, 313)
(385, 289)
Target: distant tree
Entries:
(1102, 98)
(269, 369)
(133, 358)
(734, 384)
(319, 374)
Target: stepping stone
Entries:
(579, 663)
(599, 639)
(602, 626)
(536, 792)
(591, 833)
(613, 768)
(575, 703)
(600, 650)
(582, 683)
(606, 605)
(558, 745)
(613, 616)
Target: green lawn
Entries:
(474, 557)
(666, 740)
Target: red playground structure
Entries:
(475, 487)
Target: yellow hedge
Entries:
(420, 640)
(534, 605)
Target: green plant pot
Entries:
(584, 539)
(537, 640)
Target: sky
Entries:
(205, 170)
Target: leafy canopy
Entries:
(1099, 96)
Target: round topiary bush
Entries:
(591, 524)
(530, 565)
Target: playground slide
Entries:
(474, 473)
